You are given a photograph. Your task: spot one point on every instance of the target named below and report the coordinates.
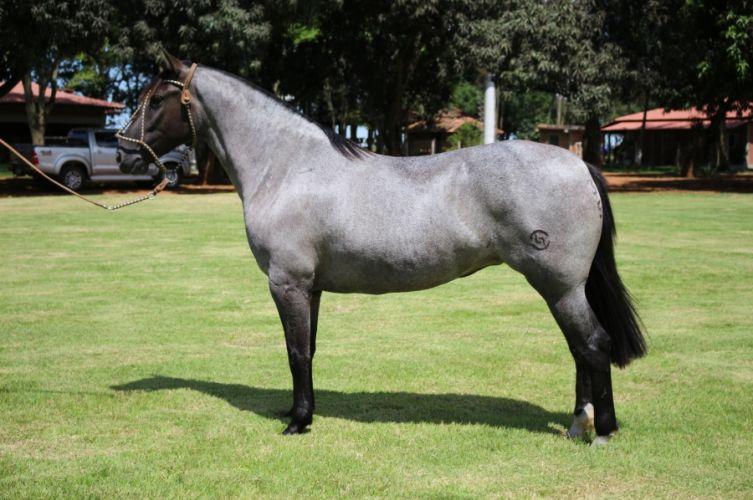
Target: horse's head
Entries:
(163, 120)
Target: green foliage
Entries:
(467, 97)
(225, 34)
(83, 74)
(465, 136)
(523, 112)
(299, 33)
(503, 38)
(716, 72)
(37, 36)
(385, 63)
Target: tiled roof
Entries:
(679, 119)
(448, 121)
(16, 95)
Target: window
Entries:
(106, 139)
(77, 138)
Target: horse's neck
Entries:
(256, 139)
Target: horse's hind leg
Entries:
(294, 305)
(590, 346)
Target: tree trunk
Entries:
(35, 114)
(592, 141)
(38, 108)
(721, 140)
(390, 138)
(689, 153)
(641, 146)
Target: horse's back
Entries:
(411, 223)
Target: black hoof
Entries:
(294, 428)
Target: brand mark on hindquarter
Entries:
(540, 239)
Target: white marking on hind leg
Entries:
(601, 440)
(582, 422)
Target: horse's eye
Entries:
(155, 101)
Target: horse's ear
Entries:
(170, 63)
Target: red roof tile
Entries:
(680, 119)
(448, 121)
(16, 95)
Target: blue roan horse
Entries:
(324, 215)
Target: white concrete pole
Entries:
(490, 111)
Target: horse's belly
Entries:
(399, 270)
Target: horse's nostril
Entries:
(117, 157)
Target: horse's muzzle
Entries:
(131, 163)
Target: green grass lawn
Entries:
(140, 354)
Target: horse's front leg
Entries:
(293, 302)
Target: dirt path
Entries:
(741, 183)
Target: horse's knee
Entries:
(591, 351)
(597, 349)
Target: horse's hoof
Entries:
(601, 441)
(291, 430)
(582, 422)
(294, 428)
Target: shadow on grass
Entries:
(398, 407)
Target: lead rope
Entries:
(148, 196)
(185, 99)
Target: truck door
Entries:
(103, 149)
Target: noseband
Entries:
(185, 100)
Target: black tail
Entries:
(606, 293)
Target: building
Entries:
(569, 137)
(671, 136)
(426, 137)
(70, 110)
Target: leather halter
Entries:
(185, 100)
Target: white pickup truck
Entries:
(89, 155)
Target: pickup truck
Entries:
(89, 155)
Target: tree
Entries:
(640, 28)
(717, 74)
(465, 136)
(379, 63)
(581, 62)
(226, 34)
(231, 35)
(52, 31)
(521, 112)
(11, 62)
(502, 38)
(467, 97)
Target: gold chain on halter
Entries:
(185, 99)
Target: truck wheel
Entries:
(174, 175)
(72, 177)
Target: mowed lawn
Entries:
(141, 354)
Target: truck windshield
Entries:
(77, 138)
(106, 139)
